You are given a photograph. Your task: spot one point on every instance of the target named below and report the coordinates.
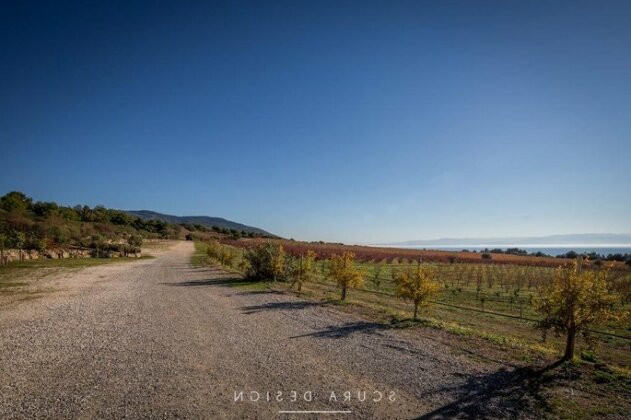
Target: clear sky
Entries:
(344, 120)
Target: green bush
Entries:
(266, 262)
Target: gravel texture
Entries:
(162, 339)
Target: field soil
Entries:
(160, 338)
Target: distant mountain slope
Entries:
(200, 220)
(573, 239)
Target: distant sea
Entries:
(550, 250)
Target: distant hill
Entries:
(199, 220)
(555, 240)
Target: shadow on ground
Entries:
(228, 281)
(279, 306)
(346, 330)
(501, 394)
(259, 292)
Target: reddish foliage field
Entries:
(369, 253)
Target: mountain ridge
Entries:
(208, 221)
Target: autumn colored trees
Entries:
(570, 300)
(575, 299)
(302, 269)
(416, 285)
(266, 262)
(343, 270)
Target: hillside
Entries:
(206, 221)
(26, 224)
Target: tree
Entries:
(575, 299)
(375, 278)
(417, 285)
(15, 201)
(303, 269)
(341, 269)
(44, 209)
(277, 258)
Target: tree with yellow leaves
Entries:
(277, 258)
(342, 269)
(574, 299)
(417, 285)
(303, 269)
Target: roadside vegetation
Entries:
(566, 326)
(507, 304)
(35, 225)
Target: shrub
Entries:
(375, 278)
(266, 262)
(135, 241)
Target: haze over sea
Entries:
(550, 250)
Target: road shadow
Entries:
(501, 394)
(461, 348)
(347, 330)
(259, 292)
(228, 281)
(280, 306)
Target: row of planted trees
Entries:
(270, 262)
(573, 299)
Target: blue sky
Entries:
(346, 121)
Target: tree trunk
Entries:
(415, 318)
(343, 292)
(570, 344)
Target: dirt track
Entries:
(161, 339)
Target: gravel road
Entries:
(160, 338)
